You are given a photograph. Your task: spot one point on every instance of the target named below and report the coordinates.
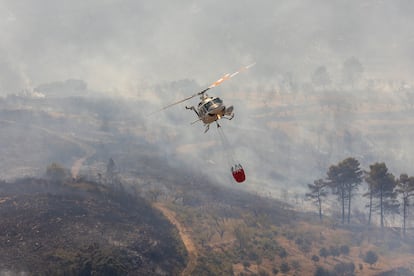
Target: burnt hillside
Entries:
(83, 229)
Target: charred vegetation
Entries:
(83, 228)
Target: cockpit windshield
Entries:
(214, 101)
(217, 101)
(208, 104)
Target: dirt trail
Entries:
(77, 165)
(185, 237)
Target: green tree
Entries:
(381, 185)
(317, 191)
(405, 187)
(353, 179)
(344, 179)
(370, 194)
(337, 184)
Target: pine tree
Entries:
(381, 185)
(317, 191)
(369, 194)
(405, 187)
(344, 179)
(353, 179)
(336, 182)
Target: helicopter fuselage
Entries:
(212, 109)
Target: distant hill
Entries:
(70, 87)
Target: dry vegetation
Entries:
(225, 231)
(244, 234)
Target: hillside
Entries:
(237, 233)
(224, 228)
(83, 228)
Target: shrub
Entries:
(371, 257)
(334, 251)
(320, 271)
(345, 268)
(282, 252)
(246, 264)
(284, 267)
(263, 273)
(296, 265)
(315, 258)
(323, 252)
(344, 249)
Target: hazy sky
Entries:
(116, 45)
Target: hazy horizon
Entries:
(119, 46)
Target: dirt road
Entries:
(185, 237)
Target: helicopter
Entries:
(211, 109)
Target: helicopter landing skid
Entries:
(192, 108)
(208, 126)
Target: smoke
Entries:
(155, 53)
(116, 45)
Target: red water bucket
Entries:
(238, 173)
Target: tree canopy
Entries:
(317, 191)
(344, 179)
(381, 187)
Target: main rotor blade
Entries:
(229, 76)
(181, 101)
(186, 99)
(214, 84)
